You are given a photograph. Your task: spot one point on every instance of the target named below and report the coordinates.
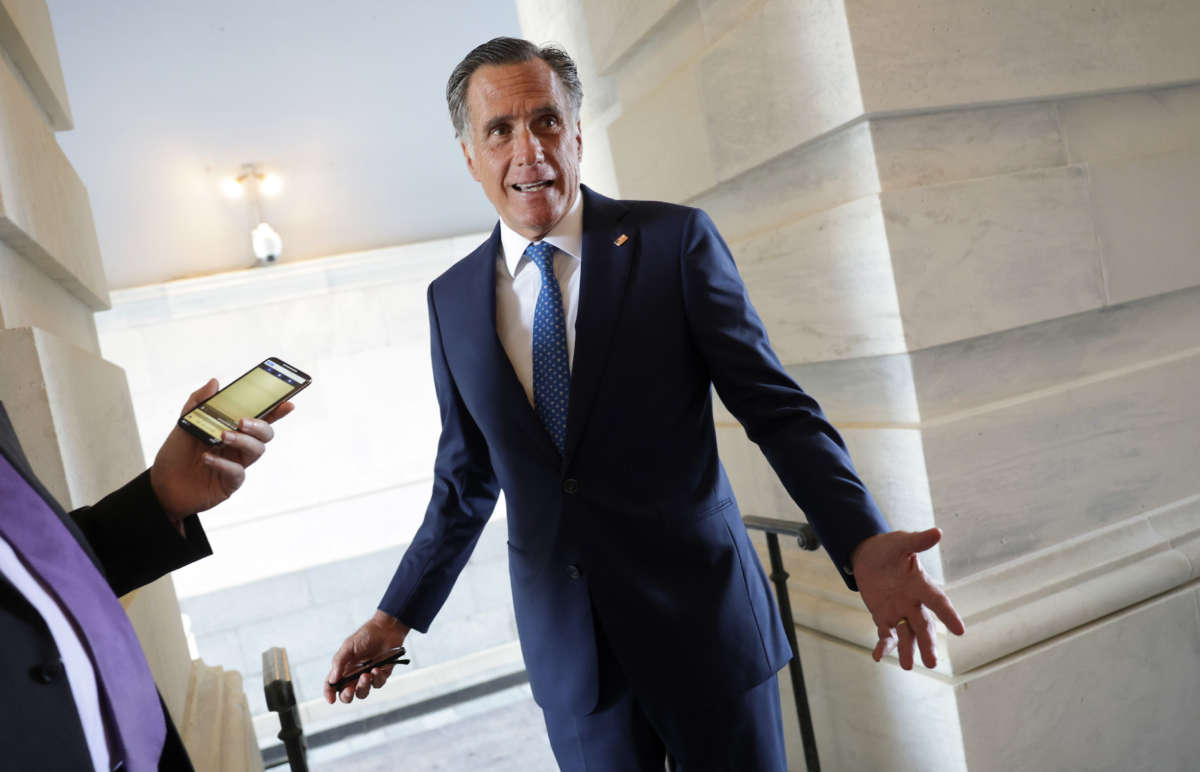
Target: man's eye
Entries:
(498, 131)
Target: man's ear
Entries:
(579, 138)
(466, 151)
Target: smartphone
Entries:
(255, 394)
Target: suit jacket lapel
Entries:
(605, 266)
(479, 316)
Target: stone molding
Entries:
(45, 213)
(184, 298)
(27, 37)
(1029, 600)
(843, 66)
(216, 726)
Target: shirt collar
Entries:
(566, 236)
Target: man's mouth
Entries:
(530, 187)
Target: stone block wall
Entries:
(969, 229)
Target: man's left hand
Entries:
(189, 476)
(900, 596)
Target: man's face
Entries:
(524, 146)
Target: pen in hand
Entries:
(394, 658)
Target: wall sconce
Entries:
(251, 182)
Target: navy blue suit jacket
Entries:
(635, 528)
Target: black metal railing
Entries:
(281, 699)
(806, 537)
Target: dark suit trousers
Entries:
(628, 733)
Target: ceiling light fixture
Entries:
(267, 183)
(264, 240)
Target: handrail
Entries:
(281, 699)
(806, 537)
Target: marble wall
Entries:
(71, 408)
(970, 229)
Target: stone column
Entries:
(71, 408)
(971, 228)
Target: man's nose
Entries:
(529, 148)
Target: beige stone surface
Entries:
(1025, 476)
(615, 25)
(26, 400)
(863, 391)
(93, 420)
(678, 41)
(235, 724)
(203, 717)
(1115, 695)
(1131, 125)
(659, 146)
(30, 298)
(824, 286)
(1073, 583)
(44, 209)
(1147, 225)
(28, 38)
(966, 376)
(981, 256)
(951, 146)
(961, 52)
(870, 716)
(801, 182)
(722, 16)
(1063, 702)
(784, 76)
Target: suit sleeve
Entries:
(787, 424)
(464, 496)
(133, 538)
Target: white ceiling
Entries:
(344, 100)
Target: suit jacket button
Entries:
(573, 571)
(46, 672)
(570, 486)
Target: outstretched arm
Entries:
(808, 454)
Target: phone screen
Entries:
(250, 396)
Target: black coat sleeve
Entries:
(133, 538)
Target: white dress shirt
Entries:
(518, 282)
(81, 674)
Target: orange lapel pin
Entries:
(621, 239)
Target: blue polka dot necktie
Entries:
(551, 366)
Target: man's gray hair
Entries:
(500, 51)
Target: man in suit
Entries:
(574, 354)
(78, 694)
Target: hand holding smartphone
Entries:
(256, 393)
